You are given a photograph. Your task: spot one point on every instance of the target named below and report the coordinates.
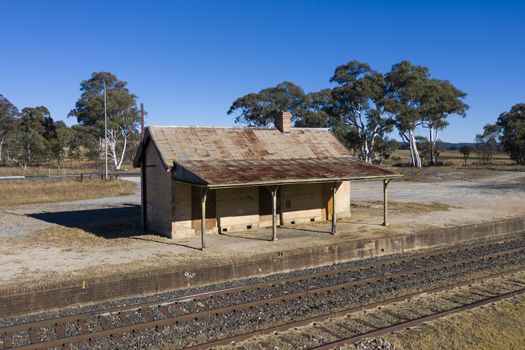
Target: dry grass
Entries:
(43, 191)
(453, 173)
(451, 157)
(41, 170)
(497, 326)
(52, 169)
(405, 207)
(59, 236)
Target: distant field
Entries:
(42, 191)
(453, 157)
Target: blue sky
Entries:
(188, 60)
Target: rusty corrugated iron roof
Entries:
(230, 143)
(232, 155)
(263, 172)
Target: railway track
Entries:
(377, 319)
(194, 311)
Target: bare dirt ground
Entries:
(56, 241)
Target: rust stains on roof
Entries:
(265, 172)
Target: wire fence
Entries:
(79, 177)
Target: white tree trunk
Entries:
(113, 138)
(123, 153)
(416, 159)
(433, 141)
(365, 151)
(1, 144)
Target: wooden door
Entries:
(211, 215)
(326, 202)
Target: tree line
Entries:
(507, 134)
(31, 136)
(363, 107)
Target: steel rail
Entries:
(344, 312)
(420, 320)
(134, 328)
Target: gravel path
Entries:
(509, 185)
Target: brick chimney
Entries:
(283, 122)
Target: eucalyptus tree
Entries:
(358, 103)
(8, 122)
(512, 132)
(259, 108)
(418, 100)
(123, 115)
(317, 111)
(405, 89)
(440, 99)
(35, 130)
(57, 145)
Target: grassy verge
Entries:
(412, 207)
(28, 192)
(454, 173)
(497, 326)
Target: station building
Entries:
(200, 180)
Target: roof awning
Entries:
(244, 173)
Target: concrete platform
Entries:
(282, 257)
(81, 252)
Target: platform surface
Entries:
(53, 242)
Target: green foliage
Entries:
(258, 109)
(405, 86)
(353, 109)
(317, 110)
(35, 132)
(32, 137)
(385, 148)
(440, 100)
(8, 124)
(57, 145)
(512, 132)
(123, 116)
(122, 110)
(363, 106)
(358, 105)
(416, 99)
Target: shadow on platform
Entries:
(107, 222)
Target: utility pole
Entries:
(105, 133)
(141, 121)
